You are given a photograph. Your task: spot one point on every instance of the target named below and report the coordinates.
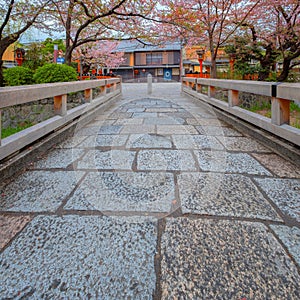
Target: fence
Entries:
(281, 95)
(10, 96)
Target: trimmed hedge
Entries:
(55, 73)
(18, 76)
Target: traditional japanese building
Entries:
(191, 62)
(161, 61)
(9, 57)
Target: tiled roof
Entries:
(136, 46)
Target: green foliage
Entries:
(33, 56)
(55, 73)
(272, 77)
(296, 124)
(294, 106)
(48, 46)
(293, 77)
(244, 68)
(260, 105)
(18, 76)
(246, 51)
(5, 132)
(38, 54)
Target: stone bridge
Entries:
(152, 196)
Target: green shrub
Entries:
(55, 73)
(5, 132)
(18, 76)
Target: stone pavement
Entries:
(154, 199)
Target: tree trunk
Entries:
(213, 71)
(69, 49)
(1, 73)
(264, 73)
(266, 63)
(4, 44)
(285, 70)
(213, 51)
(68, 55)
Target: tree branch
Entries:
(6, 19)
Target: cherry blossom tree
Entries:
(210, 23)
(16, 17)
(102, 53)
(89, 21)
(287, 16)
(272, 37)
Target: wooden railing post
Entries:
(60, 105)
(102, 90)
(280, 111)
(233, 98)
(199, 88)
(211, 91)
(88, 95)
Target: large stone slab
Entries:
(104, 160)
(148, 141)
(211, 259)
(81, 257)
(164, 120)
(59, 158)
(205, 121)
(104, 129)
(10, 226)
(290, 236)
(285, 193)
(38, 191)
(217, 131)
(196, 142)
(104, 140)
(169, 160)
(144, 115)
(242, 144)
(129, 122)
(221, 161)
(71, 142)
(124, 191)
(279, 166)
(162, 110)
(223, 195)
(146, 129)
(118, 114)
(176, 129)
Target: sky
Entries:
(35, 35)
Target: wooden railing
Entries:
(204, 75)
(11, 96)
(281, 94)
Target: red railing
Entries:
(85, 77)
(198, 75)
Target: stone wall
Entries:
(247, 100)
(35, 112)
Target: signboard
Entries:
(167, 74)
(60, 60)
(160, 72)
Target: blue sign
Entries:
(60, 60)
(167, 74)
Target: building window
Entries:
(126, 61)
(154, 58)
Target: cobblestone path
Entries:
(154, 199)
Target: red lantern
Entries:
(20, 54)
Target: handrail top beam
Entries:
(22, 94)
(288, 91)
